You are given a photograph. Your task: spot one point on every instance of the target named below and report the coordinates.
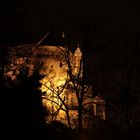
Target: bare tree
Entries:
(76, 77)
(128, 67)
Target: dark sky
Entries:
(28, 20)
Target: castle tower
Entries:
(77, 60)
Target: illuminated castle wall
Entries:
(55, 68)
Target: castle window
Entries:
(60, 65)
(99, 107)
(51, 66)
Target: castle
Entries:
(57, 91)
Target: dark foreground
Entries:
(52, 132)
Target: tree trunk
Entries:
(68, 118)
(80, 127)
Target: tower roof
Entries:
(78, 52)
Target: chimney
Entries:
(63, 34)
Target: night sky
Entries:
(26, 21)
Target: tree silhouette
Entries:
(27, 113)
